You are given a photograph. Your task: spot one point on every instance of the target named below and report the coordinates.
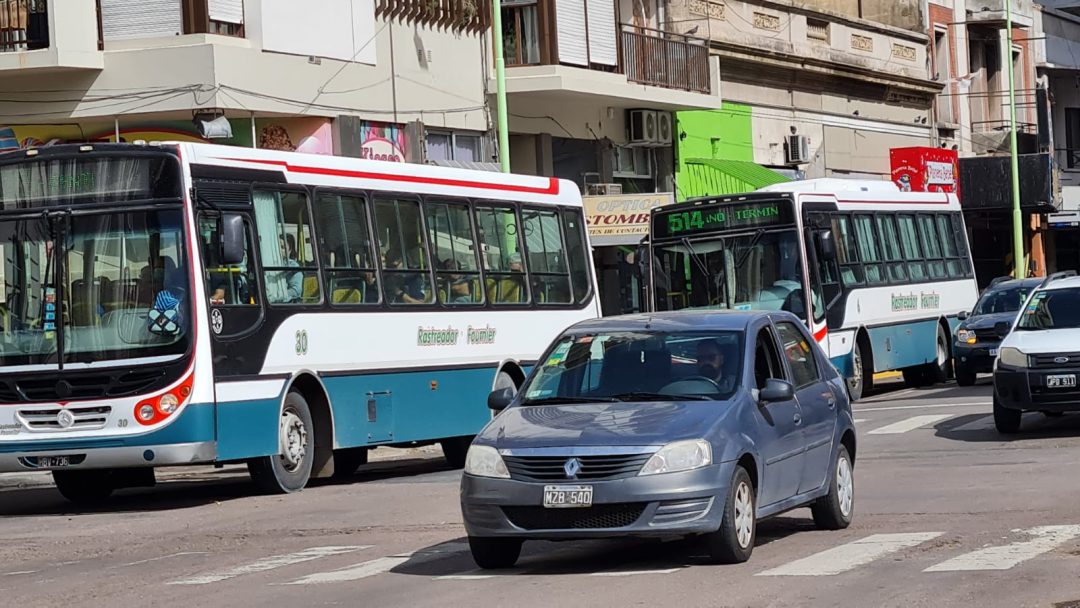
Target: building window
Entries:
(817, 29)
(462, 147)
(632, 162)
(943, 73)
(1072, 138)
(521, 32)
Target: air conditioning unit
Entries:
(797, 149)
(604, 189)
(663, 128)
(643, 128)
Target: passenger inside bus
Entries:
(508, 287)
(292, 281)
(402, 287)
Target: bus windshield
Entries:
(93, 288)
(751, 271)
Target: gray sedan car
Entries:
(663, 425)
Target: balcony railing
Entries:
(24, 25)
(664, 59)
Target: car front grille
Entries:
(1049, 360)
(596, 517)
(45, 418)
(593, 468)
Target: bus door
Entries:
(823, 276)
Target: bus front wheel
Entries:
(290, 469)
(87, 487)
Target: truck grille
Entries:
(46, 418)
(593, 468)
(1047, 360)
(987, 336)
(617, 515)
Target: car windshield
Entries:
(1052, 309)
(638, 366)
(1002, 300)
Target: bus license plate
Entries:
(52, 462)
(563, 497)
(1061, 381)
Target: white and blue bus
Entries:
(181, 304)
(886, 272)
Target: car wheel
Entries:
(495, 553)
(84, 488)
(857, 384)
(455, 450)
(965, 377)
(1006, 420)
(834, 510)
(733, 543)
(290, 469)
(348, 460)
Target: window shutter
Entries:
(121, 19)
(602, 46)
(227, 11)
(572, 33)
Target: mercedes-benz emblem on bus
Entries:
(216, 322)
(65, 419)
(572, 468)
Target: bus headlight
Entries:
(1013, 357)
(168, 403)
(485, 461)
(146, 412)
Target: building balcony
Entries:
(992, 12)
(36, 36)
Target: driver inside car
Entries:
(710, 359)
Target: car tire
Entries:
(289, 470)
(348, 460)
(835, 510)
(86, 487)
(455, 450)
(733, 543)
(1007, 421)
(495, 553)
(965, 377)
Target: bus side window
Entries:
(226, 285)
(846, 254)
(404, 253)
(909, 239)
(347, 249)
(290, 273)
(547, 258)
(457, 272)
(500, 236)
(577, 254)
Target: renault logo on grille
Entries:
(1061, 359)
(572, 468)
(65, 419)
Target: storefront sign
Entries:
(621, 219)
(925, 169)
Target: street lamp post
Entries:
(1014, 161)
(500, 86)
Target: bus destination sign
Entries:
(722, 217)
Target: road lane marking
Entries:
(354, 573)
(859, 420)
(909, 424)
(157, 559)
(923, 406)
(466, 577)
(19, 572)
(1004, 557)
(635, 572)
(851, 555)
(271, 563)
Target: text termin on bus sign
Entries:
(722, 216)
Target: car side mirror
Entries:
(776, 390)
(828, 245)
(232, 239)
(1002, 329)
(500, 399)
(963, 315)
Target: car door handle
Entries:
(798, 419)
(831, 401)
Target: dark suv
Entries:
(976, 344)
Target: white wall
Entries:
(335, 29)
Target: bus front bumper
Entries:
(108, 458)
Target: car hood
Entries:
(605, 424)
(1048, 341)
(990, 320)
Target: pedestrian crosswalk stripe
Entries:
(354, 573)
(909, 424)
(271, 563)
(635, 572)
(851, 555)
(1004, 557)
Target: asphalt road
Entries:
(948, 513)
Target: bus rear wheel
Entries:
(290, 469)
(86, 487)
(862, 376)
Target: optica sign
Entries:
(621, 219)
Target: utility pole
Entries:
(500, 87)
(1020, 269)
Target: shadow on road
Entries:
(544, 558)
(979, 428)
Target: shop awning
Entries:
(717, 177)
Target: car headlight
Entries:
(679, 456)
(485, 461)
(965, 336)
(1012, 357)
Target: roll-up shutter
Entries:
(602, 45)
(227, 11)
(572, 33)
(122, 19)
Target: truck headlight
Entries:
(485, 461)
(679, 456)
(965, 336)
(1012, 357)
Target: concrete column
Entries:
(1037, 250)
(545, 157)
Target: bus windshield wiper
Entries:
(560, 400)
(749, 248)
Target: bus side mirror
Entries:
(828, 245)
(232, 239)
